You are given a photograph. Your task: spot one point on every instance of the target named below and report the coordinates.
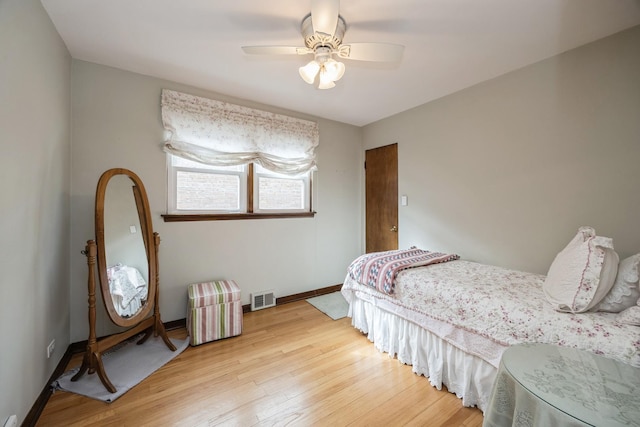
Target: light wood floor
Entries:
(292, 365)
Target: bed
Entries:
(451, 321)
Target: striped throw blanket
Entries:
(379, 269)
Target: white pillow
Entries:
(626, 289)
(582, 273)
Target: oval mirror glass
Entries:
(124, 258)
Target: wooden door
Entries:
(381, 183)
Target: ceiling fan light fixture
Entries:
(334, 69)
(323, 66)
(309, 71)
(325, 82)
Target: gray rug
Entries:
(333, 305)
(126, 365)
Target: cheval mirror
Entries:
(127, 253)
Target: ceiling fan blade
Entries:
(324, 15)
(275, 50)
(376, 52)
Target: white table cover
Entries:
(547, 385)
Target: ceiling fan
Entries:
(323, 30)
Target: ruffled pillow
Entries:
(582, 273)
(630, 316)
(626, 289)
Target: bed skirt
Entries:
(468, 376)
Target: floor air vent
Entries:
(261, 300)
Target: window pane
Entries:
(277, 193)
(207, 191)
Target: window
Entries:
(229, 160)
(274, 192)
(197, 188)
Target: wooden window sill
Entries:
(225, 217)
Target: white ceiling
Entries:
(449, 45)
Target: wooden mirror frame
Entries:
(142, 205)
(141, 321)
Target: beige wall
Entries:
(117, 123)
(506, 171)
(35, 106)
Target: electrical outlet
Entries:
(50, 348)
(12, 421)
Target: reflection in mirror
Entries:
(126, 257)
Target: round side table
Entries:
(548, 385)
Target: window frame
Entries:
(257, 174)
(172, 189)
(248, 198)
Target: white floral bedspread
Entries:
(483, 309)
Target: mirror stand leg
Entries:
(97, 358)
(159, 330)
(158, 327)
(90, 251)
(86, 364)
(146, 336)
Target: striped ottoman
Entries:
(214, 311)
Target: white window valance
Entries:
(222, 134)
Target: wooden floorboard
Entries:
(292, 365)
